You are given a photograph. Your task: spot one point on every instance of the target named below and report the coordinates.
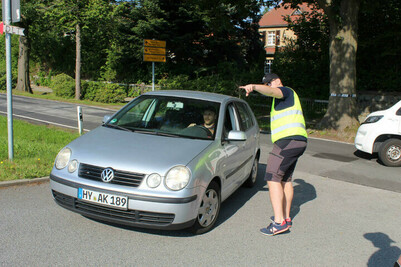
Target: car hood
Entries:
(135, 152)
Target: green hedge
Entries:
(105, 92)
(63, 86)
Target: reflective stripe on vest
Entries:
(287, 122)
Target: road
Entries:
(323, 158)
(336, 223)
(53, 112)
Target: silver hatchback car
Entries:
(166, 160)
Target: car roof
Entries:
(194, 94)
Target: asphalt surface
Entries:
(335, 224)
(327, 159)
(54, 112)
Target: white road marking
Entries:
(48, 122)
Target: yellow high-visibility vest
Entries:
(287, 122)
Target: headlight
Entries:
(63, 158)
(373, 119)
(153, 180)
(73, 166)
(177, 178)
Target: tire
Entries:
(390, 153)
(250, 182)
(208, 210)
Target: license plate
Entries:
(105, 199)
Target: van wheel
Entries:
(208, 210)
(390, 152)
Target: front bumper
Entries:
(143, 211)
(365, 138)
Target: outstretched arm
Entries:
(263, 89)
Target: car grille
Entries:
(126, 216)
(120, 177)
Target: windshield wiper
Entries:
(117, 127)
(157, 133)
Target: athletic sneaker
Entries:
(275, 228)
(288, 221)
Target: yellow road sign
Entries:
(154, 58)
(154, 43)
(154, 50)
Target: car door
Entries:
(247, 125)
(234, 152)
(398, 114)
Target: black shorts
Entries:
(283, 159)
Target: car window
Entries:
(398, 113)
(170, 116)
(245, 117)
(230, 120)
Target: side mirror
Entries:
(236, 136)
(106, 118)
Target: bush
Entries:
(43, 79)
(103, 92)
(63, 86)
(90, 90)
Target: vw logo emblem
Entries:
(107, 175)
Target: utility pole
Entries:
(11, 13)
(7, 13)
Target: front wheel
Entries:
(208, 210)
(390, 152)
(250, 182)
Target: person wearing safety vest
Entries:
(289, 138)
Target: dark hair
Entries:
(269, 77)
(210, 108)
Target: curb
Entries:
(24, 182)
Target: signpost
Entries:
(154, 51)
(11, 13)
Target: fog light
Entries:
(72, 167)
(153, 180)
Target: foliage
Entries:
(199, 35)
(35, 148)
(14, 62)
(63, 85)
(43, 79)
(103, 92)
(379, 38)
(304, 63)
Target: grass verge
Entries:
(35, 148)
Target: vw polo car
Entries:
(154, 164)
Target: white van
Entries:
(381, 133)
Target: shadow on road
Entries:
(387, 255)
(238, 199)
(303, 193)
(367, 156)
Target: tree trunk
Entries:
(23, 81)
(342, 109)
(78, 63)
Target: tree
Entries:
(342, 17)
(73, 17)
(203, 37)
(304, 62)
(28, 17)
(379, 54)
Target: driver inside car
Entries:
(209, 118)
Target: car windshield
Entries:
(168, 116)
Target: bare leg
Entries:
(276, 192)
(288, 196)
